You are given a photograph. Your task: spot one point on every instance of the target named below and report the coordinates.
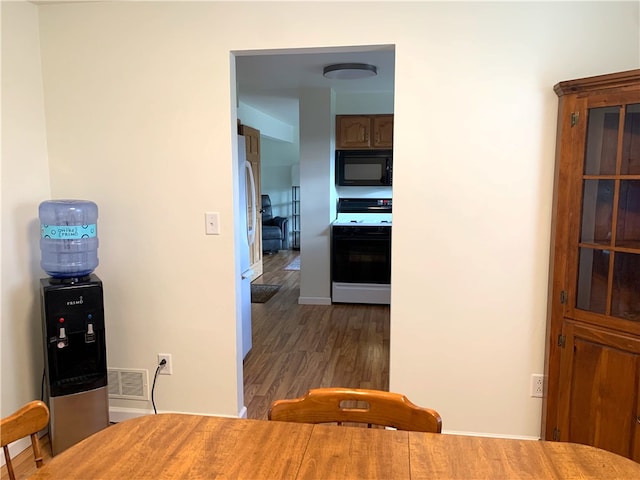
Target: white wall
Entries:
(25, 183)
(317, 193)
(364, 103)
(478, 190)
(269, 126)
(140, 119)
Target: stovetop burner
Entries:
(364, 212)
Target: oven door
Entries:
(361, 254)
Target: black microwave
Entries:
(364, 168)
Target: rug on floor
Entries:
(295, 265)
(261, 293)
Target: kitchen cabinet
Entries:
(364, 131)
(382, 131)
(592, 361)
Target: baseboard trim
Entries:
(314, 301)
(19, 446)
(15, 449)
(120, 414)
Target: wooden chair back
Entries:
(374, 407)
(27, 421)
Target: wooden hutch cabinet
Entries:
(592, 362)
(364, 131)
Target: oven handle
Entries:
(383, 235)
(363, 238)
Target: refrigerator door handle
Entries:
(247, 274)
(251, 230)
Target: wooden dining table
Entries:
(168, 446)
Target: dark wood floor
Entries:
(297, 347)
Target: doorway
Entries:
(269, 89)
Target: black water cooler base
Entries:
(75, 359)
(75, 417)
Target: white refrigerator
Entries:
(246, 191)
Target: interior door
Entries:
(252, 141)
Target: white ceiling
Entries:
(270, 81)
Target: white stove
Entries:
(364, 212)
(361, 251)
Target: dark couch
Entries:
(275, 233)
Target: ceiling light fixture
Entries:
(350, 71)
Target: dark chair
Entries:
(373, 407)
(275, 230)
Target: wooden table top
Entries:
(168, 446)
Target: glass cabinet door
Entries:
(608, 247)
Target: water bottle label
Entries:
(69, 232)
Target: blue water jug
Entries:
(69, 239)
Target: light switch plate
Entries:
(212, 223)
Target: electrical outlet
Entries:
(165, 369)
(537, 385)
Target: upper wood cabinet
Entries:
(364, 131)
(592, 362)
(382, 131)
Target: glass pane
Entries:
(597, 208)
(631, 141)
(593, 271)
(602, 141)
(625, 302)
(628, 231)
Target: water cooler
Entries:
(73, 327)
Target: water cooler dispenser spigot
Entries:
(63, 340)
(89, 336)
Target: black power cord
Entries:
(42, 386)
(162, 363)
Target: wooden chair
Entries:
(327, 405)
(28, 420)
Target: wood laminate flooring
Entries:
(298, 347)
(295, 348)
